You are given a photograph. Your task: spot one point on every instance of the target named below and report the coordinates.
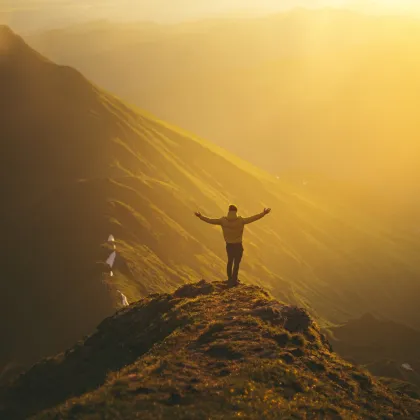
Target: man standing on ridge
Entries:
(233, 229)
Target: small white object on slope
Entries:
(406, 366)
(111, 259)
(124, 301)
(111, 239)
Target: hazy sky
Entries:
(33, 14)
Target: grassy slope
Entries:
(315, 238)
(203, 351)
(95, 166)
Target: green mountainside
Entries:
(204, 351)
(79, 165)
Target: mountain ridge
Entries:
(192, 352)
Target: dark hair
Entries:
(232, 207)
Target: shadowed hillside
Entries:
(203, 351)
(79, 165)
(386, 348)
(51, 132)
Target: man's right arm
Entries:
(208, 219)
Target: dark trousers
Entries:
(234, 253)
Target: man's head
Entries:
(232, 207)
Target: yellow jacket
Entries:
(232, 225)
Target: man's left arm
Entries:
(256, 217)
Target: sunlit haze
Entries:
(34, 14)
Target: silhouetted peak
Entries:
(8, 39)
(13, 46)
(7, 31)
(26, 76)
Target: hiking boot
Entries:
(233, 283)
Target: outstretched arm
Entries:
(208, 220)
(258, 216)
